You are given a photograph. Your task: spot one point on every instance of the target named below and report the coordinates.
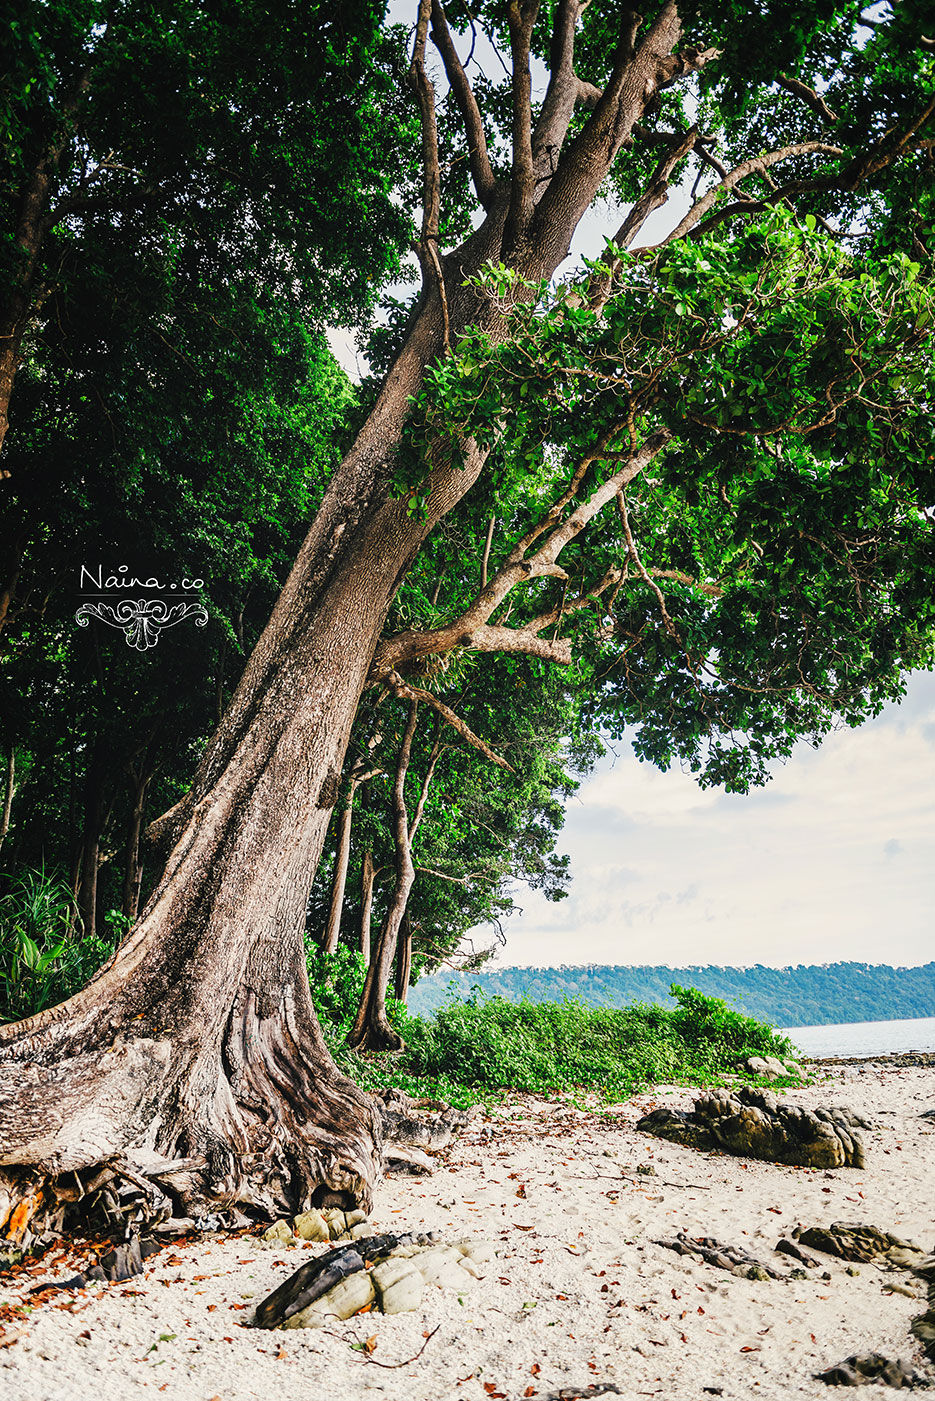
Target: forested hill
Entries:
(801, 996)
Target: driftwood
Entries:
(713, 1252)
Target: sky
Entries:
(833, 860)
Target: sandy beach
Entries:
(580, 1295)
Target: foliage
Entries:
(486, 1045)
(43, 958)
(800, 996)
(337, 982)
(771, 566)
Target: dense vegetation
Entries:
(487, 1044)
(807, 995)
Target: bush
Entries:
(43, 957)
(490, 1044)
(337, 983)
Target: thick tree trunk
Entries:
(215, 1051)
(367, 877)
(403, 959)
(198, 1039)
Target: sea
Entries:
(864, 1038)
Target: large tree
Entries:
(199, 1040)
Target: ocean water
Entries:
(864, 1038)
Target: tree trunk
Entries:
(133, 868)
(367, 878)
(198, 1038)
(8, 790)
(217, 1053)
(94, 822)
(371, 1030)
(403, 959)
(332, 932)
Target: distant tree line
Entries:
(806, 995)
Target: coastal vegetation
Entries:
(484, 1045)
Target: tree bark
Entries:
(94, 822)
(371, 1030)
(133, 867)
(332, 932)
(367, 878)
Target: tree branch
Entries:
(638, 74)
(485, 182)
(431, 173)
(756, 166)
(522, 17)
(564, 88)
(416, 694)
(809, 96)
(471, 629)
(486, 559)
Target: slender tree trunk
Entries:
(367, 878)
(133, 868)
(403, 959)
(371, 1030)
(8, 789)
(94, 821)
(332, 932)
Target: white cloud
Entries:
(832, 860)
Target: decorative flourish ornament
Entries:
(143, 620)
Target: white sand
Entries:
(580, 1295)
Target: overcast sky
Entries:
(834, 859)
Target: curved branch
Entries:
(485, 182)
(415, 694)
(740, 172)
(809, 96)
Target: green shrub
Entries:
(43, 956)
(475, 1048)
(337, 983)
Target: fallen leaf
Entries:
(750, 1349)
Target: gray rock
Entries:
(726, 1257)
(855, 1240)
(398, 1284)
(766, 1066)
(279, 1231)
(864, 1369)
(348, 1297)
(753, 1123)
(311, 1225)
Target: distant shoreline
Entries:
(804, 995)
